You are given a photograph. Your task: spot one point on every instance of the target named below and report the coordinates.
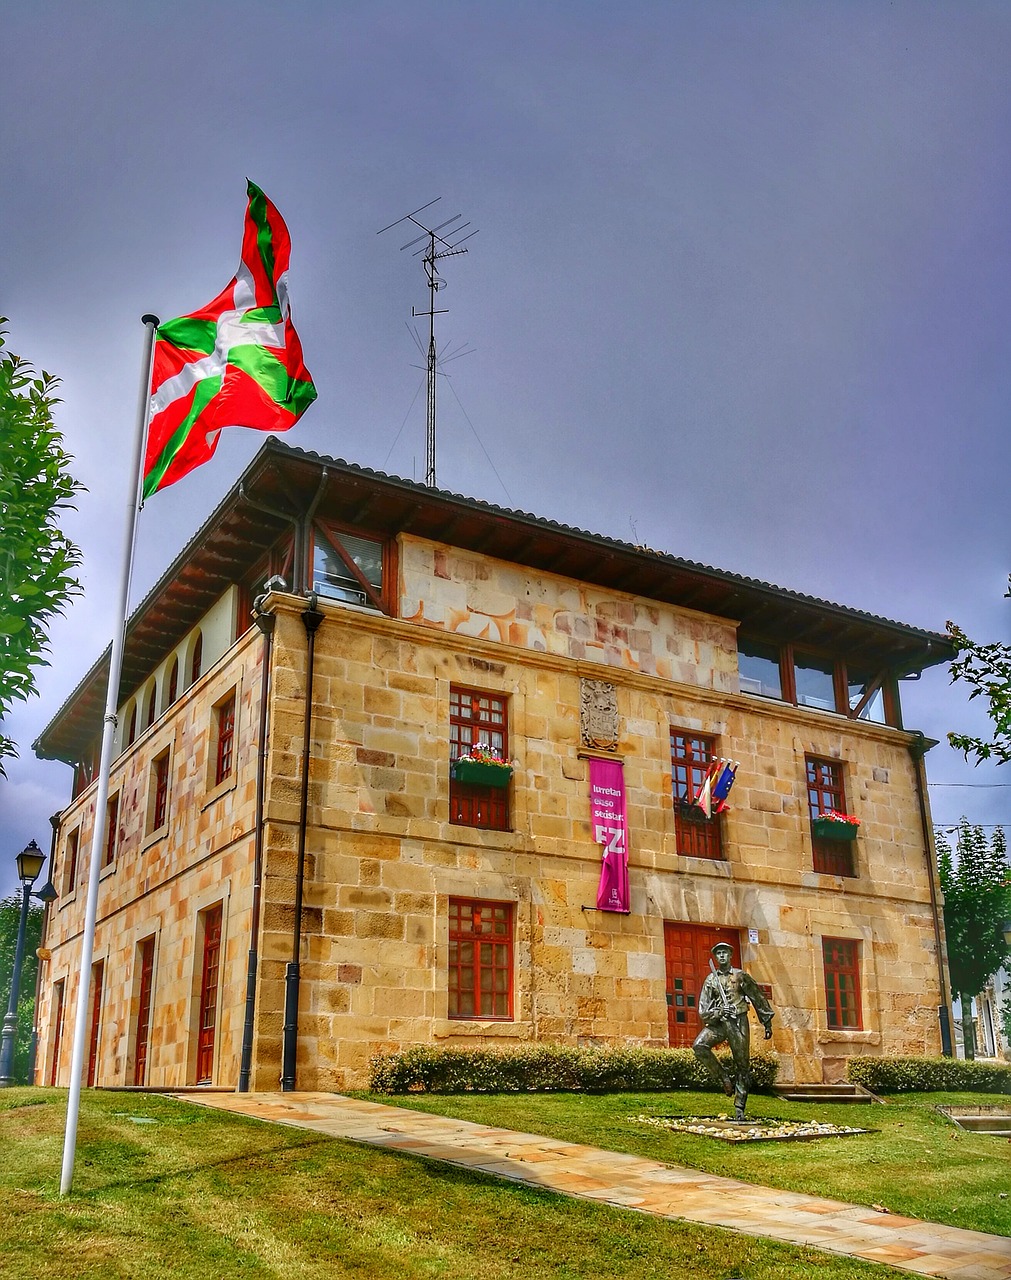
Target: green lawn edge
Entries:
(917, 1163)
(167, 1189)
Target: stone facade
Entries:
(383, 859)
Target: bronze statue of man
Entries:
(723, 1008)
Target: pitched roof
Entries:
(281, 483)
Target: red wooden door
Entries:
(97, 976)
(687, 951)
(57, 1029)
(146, 958)
(209, 995)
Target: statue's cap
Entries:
(722, 946)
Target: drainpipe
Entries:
(917, 751)
(33, 1043)
(265, 622)
(311, 619)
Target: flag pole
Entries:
(108, 734)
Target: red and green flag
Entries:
(235, 363)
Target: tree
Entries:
(37, 560)
(976, 882)
(986, 668)
(10, 915)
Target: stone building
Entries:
(440, 908)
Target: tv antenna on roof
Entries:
(434, 247)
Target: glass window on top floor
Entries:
(759, 669)
(349, 567)
(857, 684)
(814, 678)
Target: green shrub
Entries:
(929, 1075)
(549, 1068)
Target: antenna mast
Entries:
(434, 247)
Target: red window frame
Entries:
(57, 1006)
(197, 657)
(478, 718)
(131, 733)
(97, 978)
(825, 791)
(152, 708)
(841, 958)
(226, 739)
(145, 960)
(159, 806)
(111, 830)
(73, 845)
(173, 683)
(480, 960)
(697, 836)
(208, 1008)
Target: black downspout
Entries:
(917, 751)
(33, 1043)
(265, 622)
(311, 619)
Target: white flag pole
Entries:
(108, 734)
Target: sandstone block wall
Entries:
(158, 884)
(384, 860)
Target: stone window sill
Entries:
(849, 1037)
(444, 1027)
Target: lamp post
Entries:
(29, 862)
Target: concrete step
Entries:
(838, 1093)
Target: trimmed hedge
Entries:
(550, 1068)
(929, 1075)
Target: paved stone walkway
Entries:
(669, 1191)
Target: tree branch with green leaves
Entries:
(37, 560)
(986, 668)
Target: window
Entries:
(867, 693)
(842, 983)
(196, 657)
(57, 1025)
(131, 733)
(480, 959)
(824, 792)
(151, 707)
(207, 1015)
(225, 734)
(159, 793)
(97, 976)
(758, 665)
(111, 830)
(145, 966)
(347, 566)
(814, 681)
(821, 681)
(478, 719)
(697, 836)
(172, 687)
(73, 841)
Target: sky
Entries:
(741, 289)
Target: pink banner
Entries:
(610, 829)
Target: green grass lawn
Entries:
(918, 1163)
(168, 1189)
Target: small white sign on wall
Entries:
(752, 935)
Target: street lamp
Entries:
(29, 862)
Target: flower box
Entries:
(835, 826)
(481, 773)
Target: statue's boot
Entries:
(727, 1083)
(740, 1101)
